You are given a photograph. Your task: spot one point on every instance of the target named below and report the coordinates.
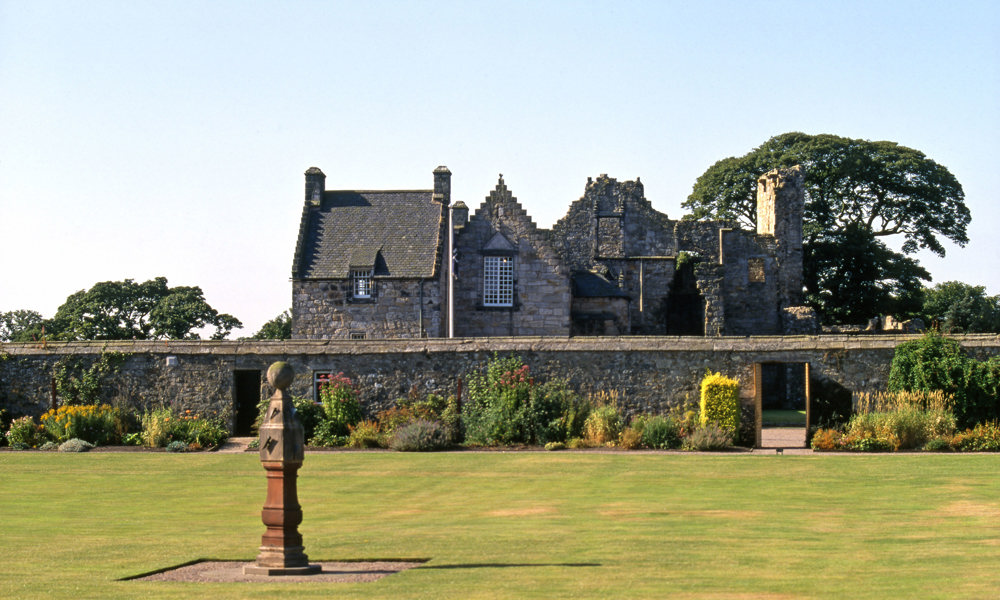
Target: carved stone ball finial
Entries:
(280, 375)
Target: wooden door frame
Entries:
(758, 396)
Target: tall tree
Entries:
(278, 328)
(962, 308)
(854, 189)
(119, 310)
(18, 325)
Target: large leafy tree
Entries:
(17, 325)
(278, 328)
(854, 189)
(962, 308)
(120, 310)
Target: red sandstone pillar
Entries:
(281, 453)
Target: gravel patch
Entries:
(232, 571)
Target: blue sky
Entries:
(140, 139)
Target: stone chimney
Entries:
(315, 186)
(459, 214)
(442, 185)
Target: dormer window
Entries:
(362, 283)
(498, 281)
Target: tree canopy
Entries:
(278, 328)
(123, 310)
(858, 192)
(14, 323)
(962, 308)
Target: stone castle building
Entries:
(374, 264)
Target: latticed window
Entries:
(364, 286)
(498, 281)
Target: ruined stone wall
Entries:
(651, 374)
(647, 282)
(600, 316)
(780, 209)
(542, 295)
(749, 285)
(402, 308)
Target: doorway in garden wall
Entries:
(782, 406)
(246, 397)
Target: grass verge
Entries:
(516, 525)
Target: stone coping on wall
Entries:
(490, 344)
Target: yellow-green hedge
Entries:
(720, 402)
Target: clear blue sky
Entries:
(141, 138)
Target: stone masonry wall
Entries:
(402, 308)
(751, 306)
(541, 286)
(651, 374)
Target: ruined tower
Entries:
(780, 204)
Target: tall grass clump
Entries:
(604, 424)
(888, 421)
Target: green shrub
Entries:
(5, 420)
(931, 363)
(420, 436)
(23, 433)
(309, 413)
(49, 446)
(984, 437)
(177, 446)
(559, 412)
(327, 436)
(708, 437)
(938, 445)
(720, 402)
(604, 425)
(499, 410)
(507, 406)
(659, 433)
(982, 393)
(555, 446)
(163, 426)
(365, 434)
(938, 363)
(75, 445)
(868, 444)
(393, 418)
(577, 443)
(341, 408)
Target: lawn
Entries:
(516, 525)
(783, 418)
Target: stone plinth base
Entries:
(259, 570)
(288, 560)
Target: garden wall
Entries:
(650, 374)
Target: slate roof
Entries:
(397, 233)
